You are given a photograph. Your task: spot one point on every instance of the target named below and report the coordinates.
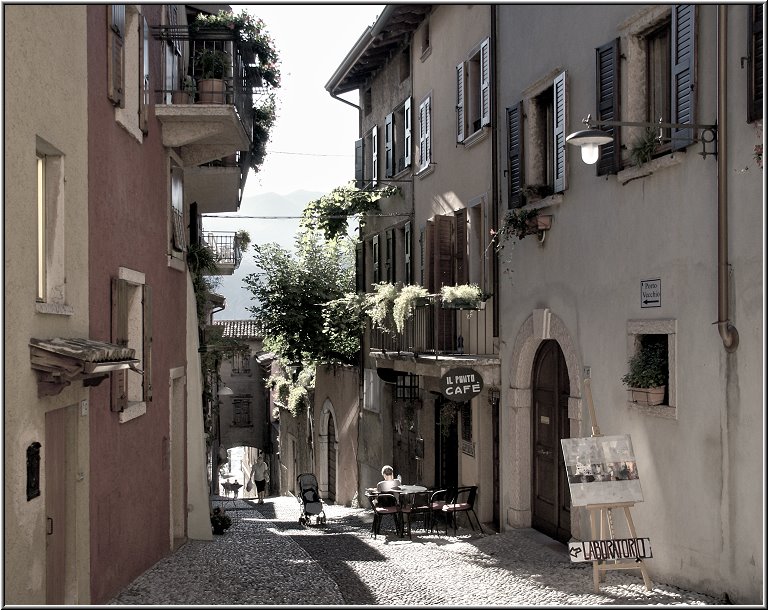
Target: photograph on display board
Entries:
(601, 470)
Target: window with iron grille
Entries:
(407, 387)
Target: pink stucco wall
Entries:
(127, 193)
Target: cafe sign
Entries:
(461, 384)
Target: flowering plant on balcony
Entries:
(253, 39)
(402, 308)
(264, 116)
(380, 304)
(462, 296)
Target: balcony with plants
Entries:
(218, 113)
(409, 322)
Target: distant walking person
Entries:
(260, 475)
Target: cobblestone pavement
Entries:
(268, 558)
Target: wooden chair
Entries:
(462, 500)
(383, 505)
(420, 505)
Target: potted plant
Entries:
(187, 93)
(402, 308)
(519, 223)
(644, 147)
(647, 376)
(211, 65)
(220, 521)
(242, 240)
(462, 296)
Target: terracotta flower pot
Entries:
(648, 396)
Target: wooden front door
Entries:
(55, 455)
(331, 459)
(551, 497)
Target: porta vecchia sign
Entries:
(461, 384)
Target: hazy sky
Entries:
(312, 143)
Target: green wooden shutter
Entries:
(407, 133)
(608, 105)
(460, 102)
(359, 164)
(683, 75)
(558, 92)
(755, 82)
(485, 82)
(146, 307)
(119, 379)
(515, 155)
(389, 152)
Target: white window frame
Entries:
(473, 93)
(425, 133)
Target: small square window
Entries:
(662, 333)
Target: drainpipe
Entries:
(728, 332)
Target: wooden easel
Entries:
(601, 521)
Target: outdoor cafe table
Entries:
(402, 492)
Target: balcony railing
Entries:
(226, 246)
(435, 330)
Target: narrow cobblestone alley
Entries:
(267, 558)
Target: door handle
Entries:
(50, 526)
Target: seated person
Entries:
(390, 482)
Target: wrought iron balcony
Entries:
(436, 330)
(227, 248)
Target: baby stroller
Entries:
(309, 499)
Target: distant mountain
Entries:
(262, 230)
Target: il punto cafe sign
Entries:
(461, 384)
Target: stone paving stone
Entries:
(268, 558)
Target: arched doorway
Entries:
(551, 500)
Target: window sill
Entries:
(176, 263)
(477, 137)
(58, 309)
(132, 411)
(426, 171)
(662, 411)
(647, 169)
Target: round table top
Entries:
(411, 489)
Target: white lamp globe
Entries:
(590, 153)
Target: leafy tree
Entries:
(292, 292)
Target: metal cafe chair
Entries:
(386, 504)
(418, 504)
(462, 500)
(437, 500)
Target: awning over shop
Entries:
(59, 361)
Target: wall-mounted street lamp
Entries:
(591, 138)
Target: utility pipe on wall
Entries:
(728, 332)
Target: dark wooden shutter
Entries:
(408, 279)
(515, 155)
(376, 261)
(558, 93)
(755, 82)
(119, 379)
(359, 163)
(460, 102)
(683, 75)
(116, 54)
(462, 273)
(428, 268)
(608, 105)
(146, 310)
(389, 152)
(389, 253)
(443, 251)
(485, 82)
(359, 267)
(374, 156)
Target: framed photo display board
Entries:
(601, 470)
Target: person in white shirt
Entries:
(260, 475)
(390, 482)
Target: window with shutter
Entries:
(389, 261)
(241, 410)
(389, 151)
(408, 268)
(755, 82)
(425, 134)
(144, 76)
(608, 105)
(427, 263)
(462, 271)
(374, 156)
(132, 327)
(178, 234)
(376, 261)
(473, 93)
(407, 133)
(515, 155)
(360, 163)
(683, 74)
(443, 250)
(559, 173)
(485, 82)
(116, 53)
(359, 268)
(460, 119)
